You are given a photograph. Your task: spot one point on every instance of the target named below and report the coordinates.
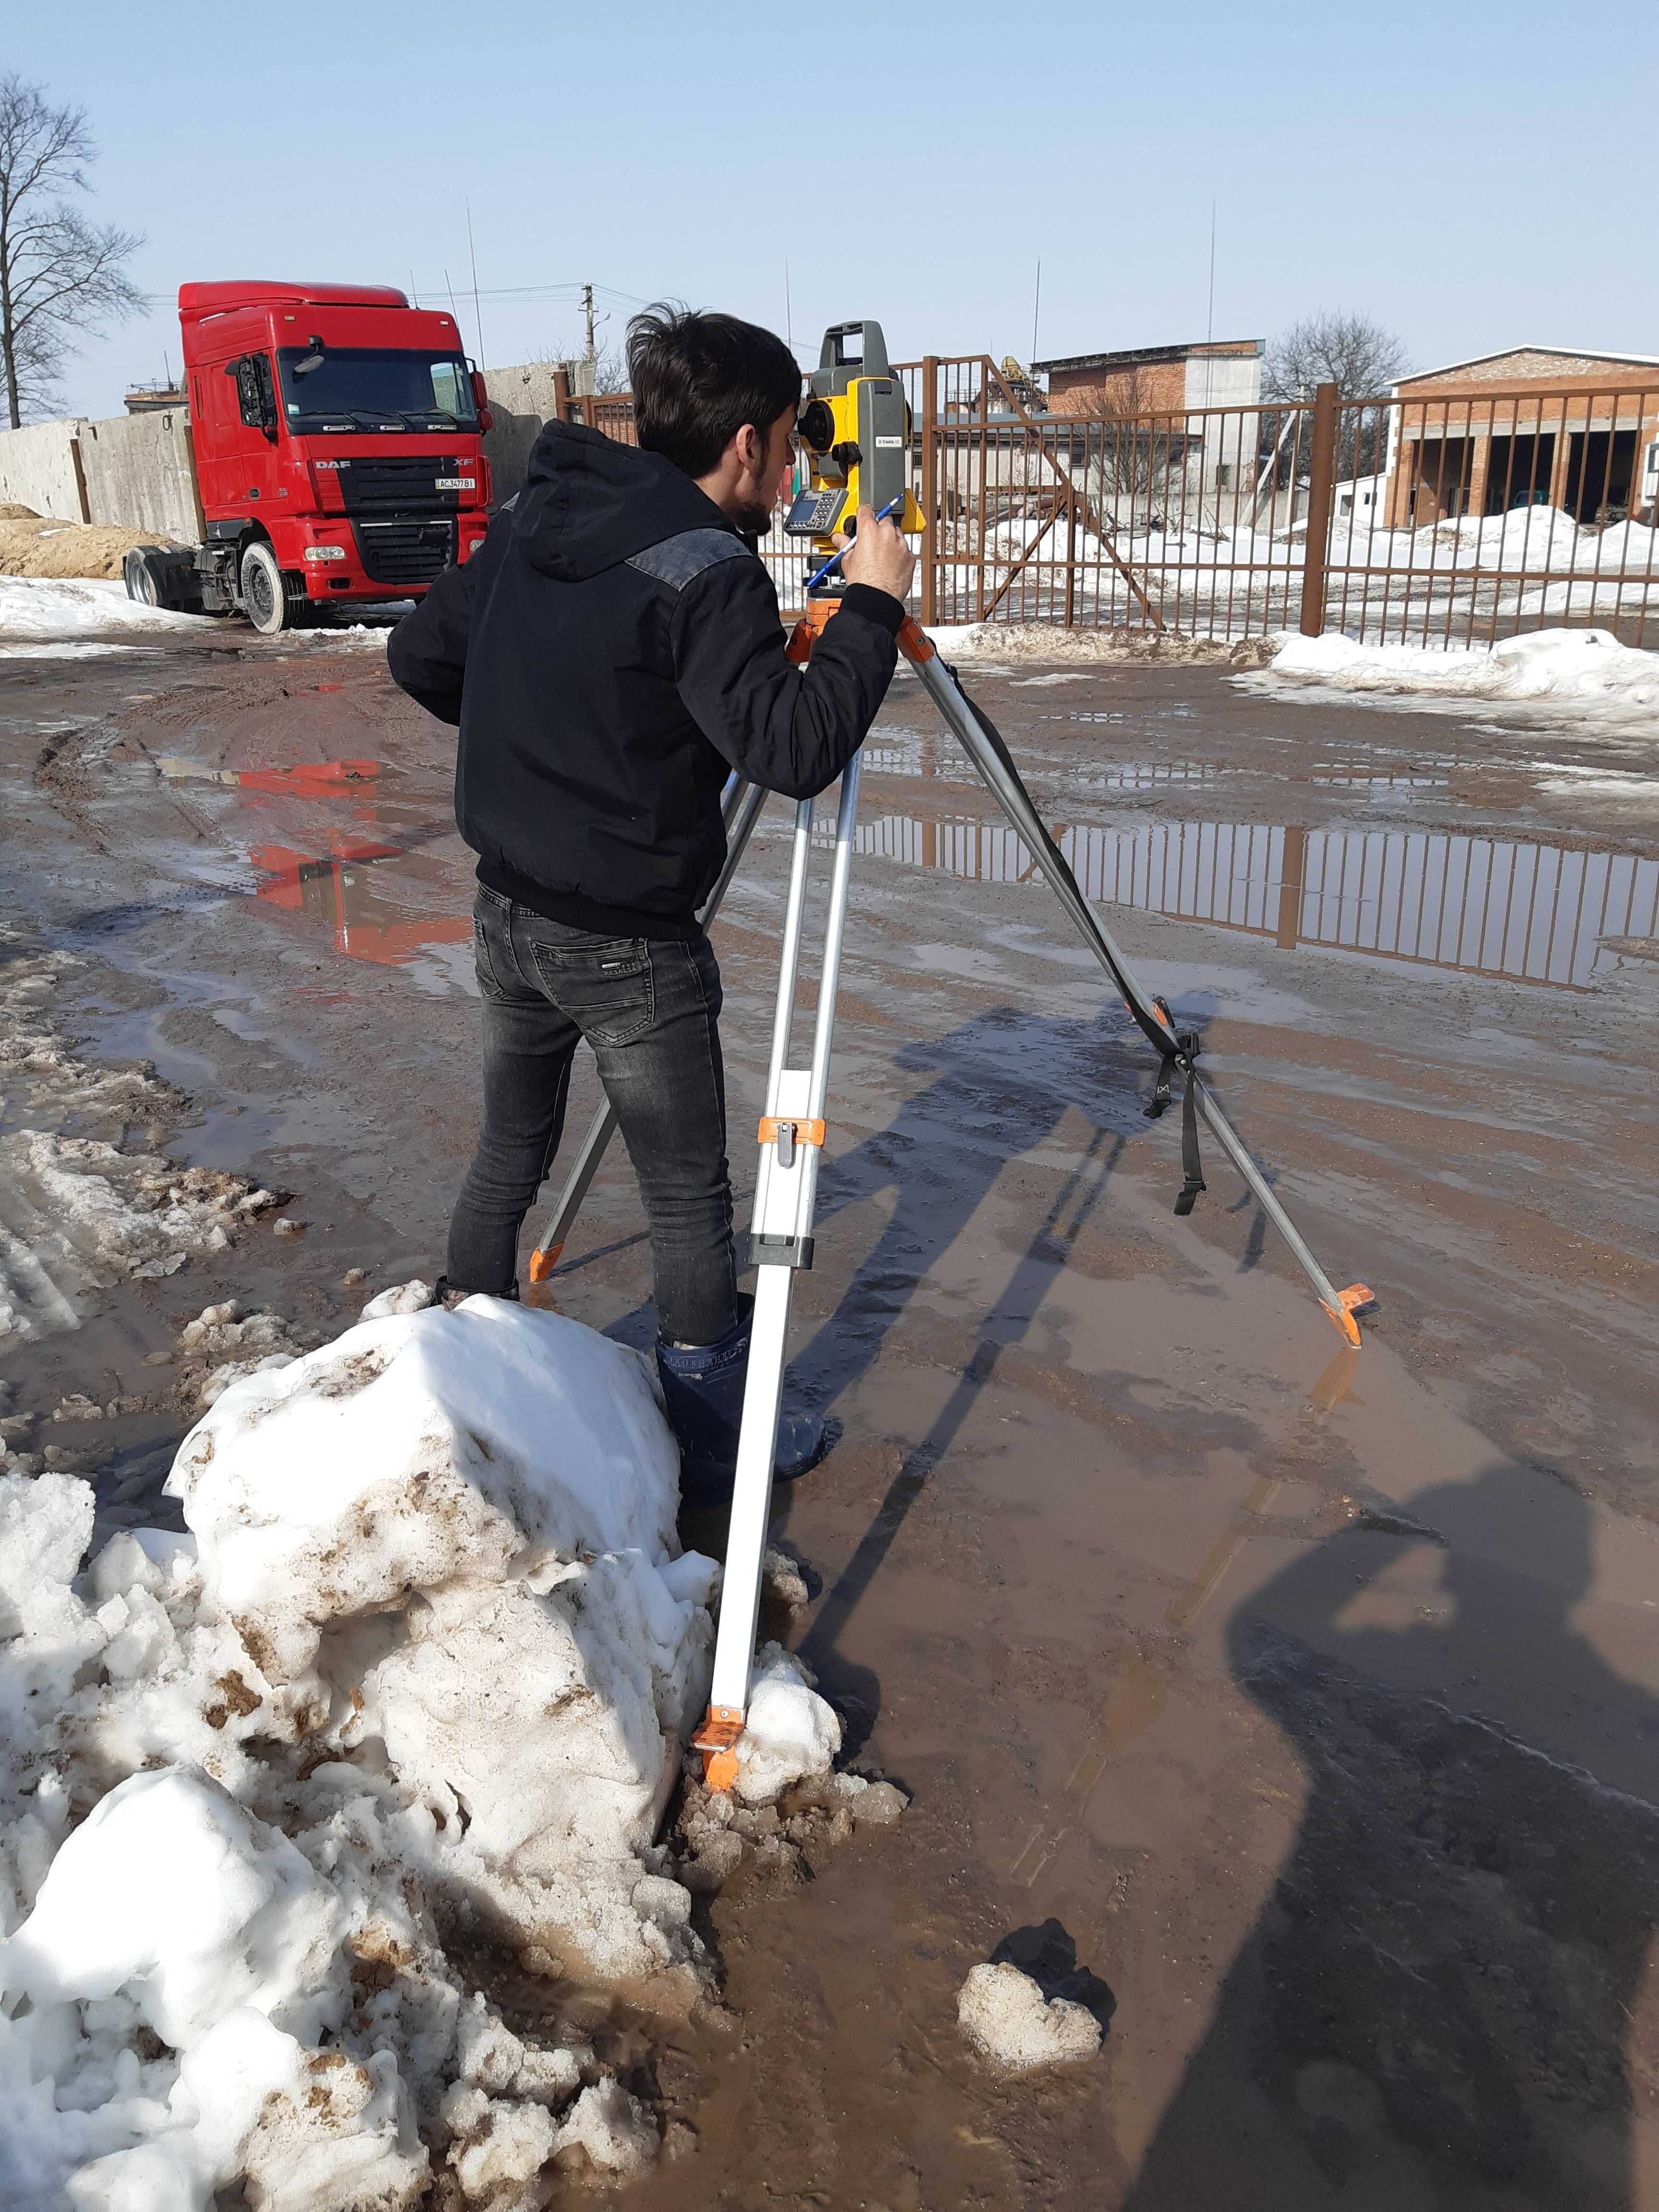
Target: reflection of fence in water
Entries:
(1531, 913)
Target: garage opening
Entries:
(1518, 470)
(1599, 465)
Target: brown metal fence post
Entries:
(1322, 466)
(561, 395)
(932, 505)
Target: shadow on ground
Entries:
(1434, 2006)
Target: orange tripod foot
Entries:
(1350, 1301)
(717, 1740)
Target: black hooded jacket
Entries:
(611, 652)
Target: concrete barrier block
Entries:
(139, 473)
(38, 471)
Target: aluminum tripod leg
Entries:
(791, 1144)
(990, 756)
(741, 812)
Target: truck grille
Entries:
(394, 483)
(405, 552)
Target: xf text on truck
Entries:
(336, 437)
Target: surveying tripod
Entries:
(860, 440)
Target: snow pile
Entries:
(1005, 2016)
(789, 1734)
(1024, 644)
(41, 608)
(413, 1684)
(1587, 672)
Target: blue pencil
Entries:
(834, 560)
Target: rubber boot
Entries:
(702, 1388)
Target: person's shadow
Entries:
(1434, 2007)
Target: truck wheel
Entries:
(140, 579)
(265, 592)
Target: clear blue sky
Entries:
(1472, 174)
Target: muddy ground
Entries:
(1298, 1710)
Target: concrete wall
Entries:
(138, 467)
(139, 473)
(37, 468)
(521, 400)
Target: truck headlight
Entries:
(324, 553)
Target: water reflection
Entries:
(902, 752)
(1533, 913)
(312, 780)
(375, 901)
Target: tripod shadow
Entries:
(1004, 1082)
(1432, 2008)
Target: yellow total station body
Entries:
(855, 428)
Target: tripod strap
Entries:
(1187, 1050)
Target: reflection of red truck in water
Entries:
(339, 892)
(335, 433)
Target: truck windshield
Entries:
(360, 388)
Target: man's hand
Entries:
(877, 556)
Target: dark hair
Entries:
(697, 378)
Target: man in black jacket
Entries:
(611, 654)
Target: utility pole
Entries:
(587, 311)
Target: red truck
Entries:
(335, 433)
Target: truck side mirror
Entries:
(481, 400)
(256, 396)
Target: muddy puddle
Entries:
(1301, 1711)
(1496, 907)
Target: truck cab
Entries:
(337, 437)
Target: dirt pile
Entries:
(37, 545)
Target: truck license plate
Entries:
(456, 483)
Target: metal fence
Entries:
(1417, 520)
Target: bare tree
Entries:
(61, 278)
(1352, 352)
(1135, 445)
(610, 370)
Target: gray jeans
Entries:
(650, 1009)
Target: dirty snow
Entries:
(61, 609)
(1587, 675)
(81, 1212)
(1005, 2016)
(1024, 644)
(789, 1734)
(402, 1298)
(424, 1660)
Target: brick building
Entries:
(1166, 396)
(1167, 379)
(1541, 426)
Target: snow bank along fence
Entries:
(1417, 521)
